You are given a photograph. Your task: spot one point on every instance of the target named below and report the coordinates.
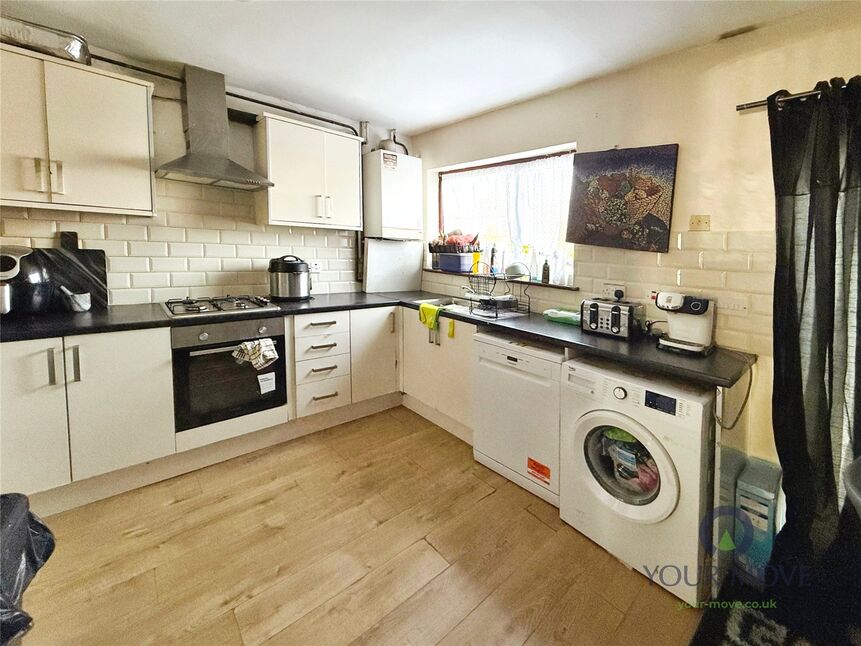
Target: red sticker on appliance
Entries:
(538, 470)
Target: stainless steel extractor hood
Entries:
(206, 136)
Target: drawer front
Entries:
(324, 323)
(322, 345)
(322, 395)
(323, 368)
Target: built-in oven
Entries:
(209, 385)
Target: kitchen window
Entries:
(521, 206)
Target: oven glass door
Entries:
(209, 386)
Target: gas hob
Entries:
(219, 306)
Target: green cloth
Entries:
(615, 433)
(429, 315)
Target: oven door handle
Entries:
(197, 353)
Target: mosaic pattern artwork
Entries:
(623, 198)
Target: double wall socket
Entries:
(609, 290)
(314, 266)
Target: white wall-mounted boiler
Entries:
(392, 195)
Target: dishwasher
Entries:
(517, 411)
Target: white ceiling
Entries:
(411, 65)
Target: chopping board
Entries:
(79, 270)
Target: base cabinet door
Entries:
(455, 386)
(374, 350)
(120, 399)
(34, 440)
(421, 360)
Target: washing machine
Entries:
(636, 460)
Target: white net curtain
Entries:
(514, 205)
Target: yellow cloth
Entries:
(451, 328)
(429, 315)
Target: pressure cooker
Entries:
(289, 279)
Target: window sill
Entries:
(522, 282)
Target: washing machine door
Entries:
(625, 467)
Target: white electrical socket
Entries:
(729, 305)
(609, 290)
(314, 266)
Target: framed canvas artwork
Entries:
(623, 198)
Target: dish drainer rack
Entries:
(484, 303)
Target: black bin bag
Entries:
(25, 545)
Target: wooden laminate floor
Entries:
(379, 531)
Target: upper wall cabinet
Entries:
(317, 175)
(74, 138)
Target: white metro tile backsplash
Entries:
(734, 268)
(204, 241)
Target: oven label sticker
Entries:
(267, 382)
(537, 470)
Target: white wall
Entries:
(724, 168)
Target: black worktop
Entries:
(721, 368)
(112, 319)
(138, 317)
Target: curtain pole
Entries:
(788, 97)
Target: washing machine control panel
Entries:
(661, 402)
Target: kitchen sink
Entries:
(435, 301)
(461, 306)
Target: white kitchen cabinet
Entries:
(322, 395)
(455, 390)
(316, 172)
(322, 345)
(120, 399)
(23, 130)
(374, 352)
(392, 195)
(74, 137)
(440, 376)
(422, 360)
(343, 208)
(322, 323)
(34, 440)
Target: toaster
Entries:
(617, 318)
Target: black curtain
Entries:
(816, 403)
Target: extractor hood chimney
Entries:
(206, 136)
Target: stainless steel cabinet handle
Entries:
(319, 213)
(330, 207)
(323, 346)
(329, 396)
(58, 179)
(197, 353)
(40, 175)
(392, 318)
(52, 368)
(322, 323)
(76, 363)
(326, 369)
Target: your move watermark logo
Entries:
(735, 539)
(737, 534)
